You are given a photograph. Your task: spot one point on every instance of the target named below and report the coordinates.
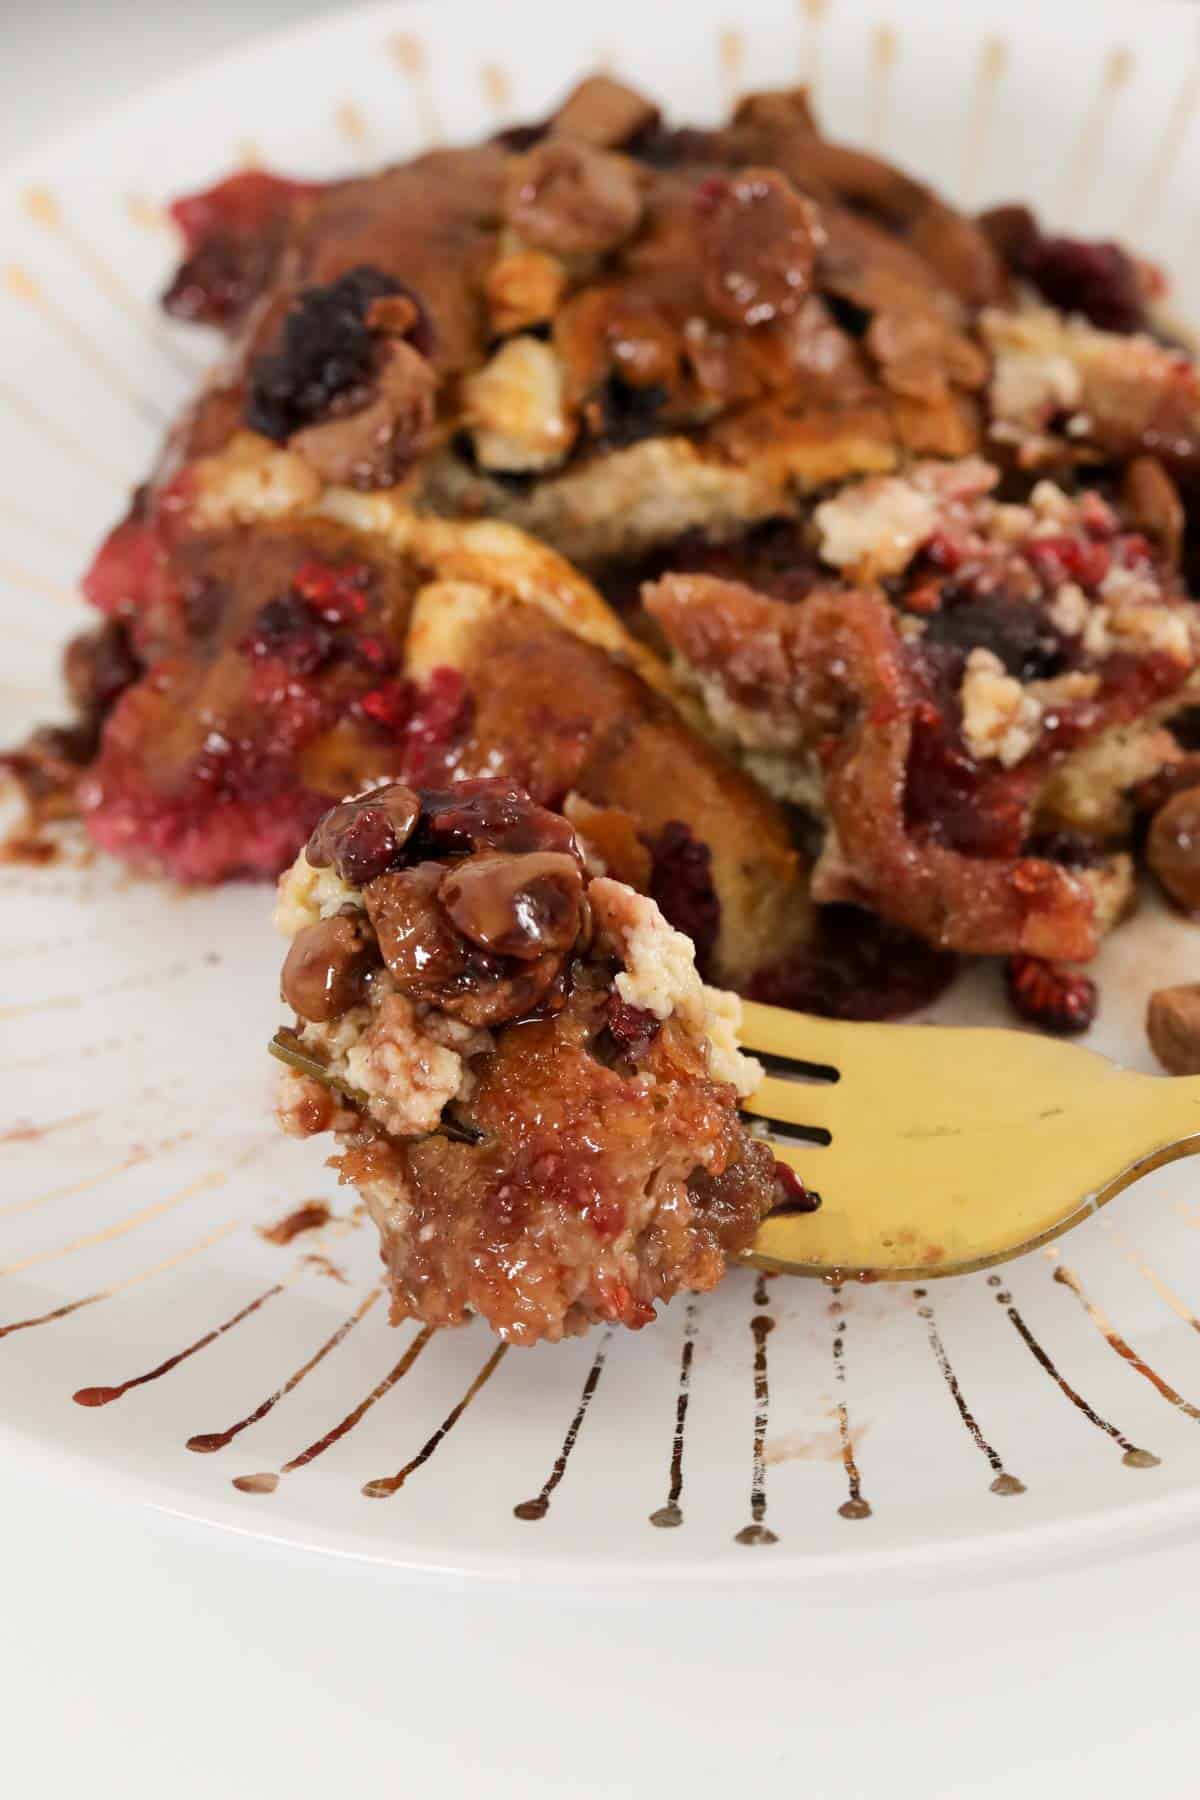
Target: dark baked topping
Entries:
(326, 967)
(327, 358)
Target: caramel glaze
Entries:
(761, 1327)
(855, 1506)
(1003, 1483)
(671, 1514)
(1067, 1278)
(385, 1486)
(266, 1483)
(104, 1396)
(1132, 1456)
(309, 1217)
(539, 1506)
(207, 1441)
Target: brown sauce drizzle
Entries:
(205, 1441)
(671, 1514)
(1067, 1278)
(266, 1483)
(104, 1396)
(1132, 1456)
(540, 1506)
(385, 1486)
(856, 1506)
(1003, 1483)
(309, 1217)
(761, 1327)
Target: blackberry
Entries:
(327, 352)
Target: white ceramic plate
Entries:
(136, 1151)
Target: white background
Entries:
(140, 1656)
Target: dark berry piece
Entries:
(1011, 629)
(632, 1028)
(794, 1197)
(1099, 280)
(285, 629)
(629, 413)
(1050, 996)
(681, 885)
(364, 838)
(327, 354)
(489, 814)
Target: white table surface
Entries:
(140, 1656)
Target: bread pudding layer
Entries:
(528, 1082)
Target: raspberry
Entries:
(633, 1028)
(1059, 559)
(390, 706)
(1048, 995)
(284, 629)
(336, 595)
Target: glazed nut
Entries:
(1173, 1027)
(1152, 504)
(523, 289)
(515, 407)
(759, 238)
(363, 838)
(1173, 848)
(520, 906)
(573, 200)
(373, 445)
(326, 967)
(393, 316)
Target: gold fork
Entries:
(939, 1150)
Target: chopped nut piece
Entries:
(1001, 719)
(516, 409)
(524, 289)
(1151, 502)
(759, 238)
(1173, 848)
(1173, 1027)
(326, 967)
(604, 112)
(573, 200)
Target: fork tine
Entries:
(791, 1102)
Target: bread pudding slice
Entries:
(528, 1083)
(285, 645)
(964, 690)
